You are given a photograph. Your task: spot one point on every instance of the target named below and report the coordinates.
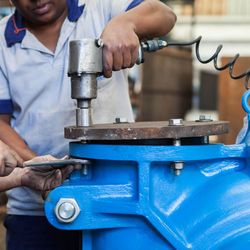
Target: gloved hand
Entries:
(9, 159)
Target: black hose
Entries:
(230, 65)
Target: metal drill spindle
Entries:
(85, 65)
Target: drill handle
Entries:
(150, 46)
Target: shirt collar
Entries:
(15, 29)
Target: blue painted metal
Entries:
(244, 101)
(131, 199)
(244, 135)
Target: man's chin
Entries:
(43, 20)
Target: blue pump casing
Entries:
(130, 199)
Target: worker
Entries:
(13, 174)
(35, 95)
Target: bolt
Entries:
(177, 142)
(121, 120)
(85, 169)
(175, 122)
(177, 165)
(177, 172)
(67, 210)
(206, 139)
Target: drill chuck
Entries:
(85, 64)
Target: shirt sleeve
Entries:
(119, 6)
(104, 10)
(5, 98)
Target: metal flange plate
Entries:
(146, 131)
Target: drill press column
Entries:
(85, 64)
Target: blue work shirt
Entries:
(36, 91)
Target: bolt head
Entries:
(67, 210)
(176, 122)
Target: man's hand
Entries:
(9, 159)
(40, 180)
(121, 45)
(121, 35)
(46, 178)
(43, 180)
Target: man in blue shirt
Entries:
(35, 102)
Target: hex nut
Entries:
(178, 165)
(204, 118)
(121, 120)
(176, 122)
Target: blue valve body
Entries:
(130, 198)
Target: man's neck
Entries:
(48, 34)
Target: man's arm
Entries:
(7, 183)
(9, 160)
(122, 34)
(9, 136)
(150, 19)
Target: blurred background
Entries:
(172, 83)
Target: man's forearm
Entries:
(150, 19)
(9, 136)
(8, 182)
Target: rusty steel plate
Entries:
(146, 131)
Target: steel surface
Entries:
(146, 130)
